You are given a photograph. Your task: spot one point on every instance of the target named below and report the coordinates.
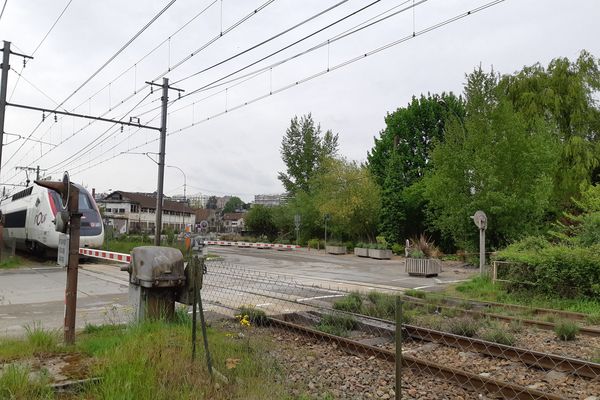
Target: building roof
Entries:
(204, 214)
(147, 200)
(235, 216)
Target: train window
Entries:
(84, 202)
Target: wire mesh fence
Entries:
(359, 345)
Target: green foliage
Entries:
(259, 220)
(346, 192)
(255, 316)
(499, 335)
(41, 339)
(350, 303)
(11, 262)
(416, 293)
(211, 204)
(497, 161)
(233, 204)
(338, 325)
(303, 148)
(464, 326)
(398, 249)
(566, 330)
(15, 383)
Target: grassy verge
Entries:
(483, 289)
(12, 262)
(125, 246)
(151, 361)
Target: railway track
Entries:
(576, 316)
(480, 314)
(458, 376)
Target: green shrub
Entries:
(566, 330)
(382, 305)
(315, 244)
(398, 249)
(350, 303)
(464, 326)
(257, 317)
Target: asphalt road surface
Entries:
(276, 281)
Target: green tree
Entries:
(233, 204)
(564, 94)
(499, 161)
(259, 220)
(347, 192)
(302, 150)
(401, 156)
(211, 204)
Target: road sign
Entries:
(62, 257)
(297, 221)
(480, 219)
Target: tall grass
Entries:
(15, 383)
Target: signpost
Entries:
(480, 220)
(297, 221)
(62, 258)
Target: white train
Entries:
(29, 219)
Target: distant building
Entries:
(233, 222)
(269, 200)
(221, 201)
(208, 215)
(198, 200)
(133, 212)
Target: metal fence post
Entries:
(202, 321)
(398, 391)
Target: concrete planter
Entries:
(423, 266)
(335, 249)
(380, 254)
(361, 252)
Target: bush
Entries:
(315, 244)
(350, 303)
(566, 330)
(382, 305)
(398, 249)
(416, 293)
(553, 270)
(464, 326)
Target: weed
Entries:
(464, 326)
(450, 312)
(39, 338)
(350, 303)
(498, 335)
(515, 326)
(16, 384)
(255, 316)
(416, 293)
(338, 325)
(593, 319)
(550, 318)
(182, 315)
(11, 262)
(566, 330)
(466, 305)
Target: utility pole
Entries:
(161, 157)
(161, 161)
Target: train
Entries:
(29, 219)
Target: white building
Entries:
(270, 200)
(129, 212)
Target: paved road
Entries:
(276, 281)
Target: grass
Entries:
(255, 316)
(350, 303)
(499, 335)
(11, 262)
(152, 361)
(464, 326)
(566, 330)
(126, 245)
(480, 288)
(338, 325)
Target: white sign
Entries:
(63, 250)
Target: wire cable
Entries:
(3, 7)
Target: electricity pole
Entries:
(161, 157)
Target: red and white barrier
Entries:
(255, 245)
(105, 255)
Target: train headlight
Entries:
(95, 224)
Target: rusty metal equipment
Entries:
(156, 275)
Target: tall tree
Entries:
(565, 94)
(259, 220)
(233, 204)
(499, 161)
(303, 148)
(211, 204)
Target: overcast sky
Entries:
(238, 152)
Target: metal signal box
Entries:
(156, 274)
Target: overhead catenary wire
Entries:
(3, 8)
(211, 41)
(321, 73)
(106, 63)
